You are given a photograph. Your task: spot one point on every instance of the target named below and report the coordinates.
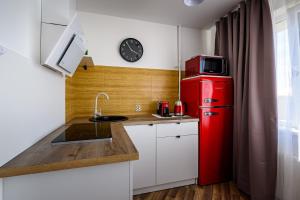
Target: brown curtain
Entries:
(245, 37)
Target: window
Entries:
(283, 69)
(282, 57)
(287, 57)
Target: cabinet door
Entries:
(177, 158)
(58, 11)
(216, 92)
(144, 139)
(49, 37)
(215, 145)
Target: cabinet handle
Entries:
(178, 136)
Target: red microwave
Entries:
(206, 65)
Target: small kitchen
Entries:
(120, 100)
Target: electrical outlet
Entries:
(138, 108)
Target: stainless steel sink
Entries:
(108, 118)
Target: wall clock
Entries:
(131, 50)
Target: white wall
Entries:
(31, 104)
(31, 96)
(105, 33)
(20, 28)
(196, 41)
(212, 37)
(193, 42)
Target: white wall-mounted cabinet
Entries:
(62, 39)
(58, 11)
(168, 154)
(49, 36)
(144, 138)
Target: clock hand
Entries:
(135, 52)
(129, 46)
(131, 49)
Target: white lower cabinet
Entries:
(168, 154)
(144, 169)
(102, 182)
(177, 158)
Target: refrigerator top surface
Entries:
(206, 76)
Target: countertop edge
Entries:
(19, 171)
(163, 121)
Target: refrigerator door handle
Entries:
(209, 114)
(210, 100)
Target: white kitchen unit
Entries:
(107, 182)
(177, 152)
(56, 15)
(144, 139)
(58, 11)
(168, 155)
(182, 165)
(49, 36)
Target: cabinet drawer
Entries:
(175, 129)
(177, 158)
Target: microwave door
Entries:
(213, 65)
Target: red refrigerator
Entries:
(211, 98)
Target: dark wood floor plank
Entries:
(180, 194)
(216, 192)
(208, 192)
(222, 191)
(162, 195)
(189, 195)
(172, 193)
(226, 191)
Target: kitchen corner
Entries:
(100, 106)
(45, 160)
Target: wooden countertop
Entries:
(45, 157)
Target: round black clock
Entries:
(131, 50)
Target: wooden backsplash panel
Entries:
(70, 97)
(126, 87)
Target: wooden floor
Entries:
(224, 191)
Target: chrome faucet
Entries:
(96, 113)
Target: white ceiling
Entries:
(172, 12)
